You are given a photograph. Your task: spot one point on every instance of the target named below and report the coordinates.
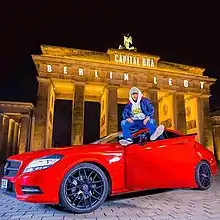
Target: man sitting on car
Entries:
(138, 114)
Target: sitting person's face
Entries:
(134, 96)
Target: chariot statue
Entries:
(128, 44)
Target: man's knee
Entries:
(123, 123)
(151, 121)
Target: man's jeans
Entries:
(136, 125)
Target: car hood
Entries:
(65, 151)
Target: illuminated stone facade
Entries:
(180, 93)
(216, 133)
(15, 129)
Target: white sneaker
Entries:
(159, 131)
(125, 142)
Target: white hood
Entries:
(136, 105)
(135, 90)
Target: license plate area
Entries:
(4, 184)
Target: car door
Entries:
(143, 165)
(178, 159)
(159, 164)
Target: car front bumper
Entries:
(39, 186)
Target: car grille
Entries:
(11, 168)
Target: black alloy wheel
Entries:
(203, 175)
(84, 188)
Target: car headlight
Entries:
(42, 163)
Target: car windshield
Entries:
(111, 138)
(115, 137)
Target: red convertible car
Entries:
(81, 177)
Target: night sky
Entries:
(182, 32)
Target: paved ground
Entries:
(168, 205)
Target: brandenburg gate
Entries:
(179, 93)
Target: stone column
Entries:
(32, 129)
(41, 115)
(216, 137)
(1, 147)
(78, 114)
(112, 110)
(179, 112)
(205, 123)
(10, 137)
(154, 99)
(4, 142)
(18, 141)
(15, 143)
(200, 120)
(24, 133)
(1, 129)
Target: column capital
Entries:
(12, 120)
(41, 79)
(5, 116)
(179, 93)
(142, 89)
(25, 115)
(153, 90)
(203, 96)
(16, 123)
(215, 117)
(79, 83)
(109, 86)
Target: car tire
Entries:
(203, 175)
(84, 188)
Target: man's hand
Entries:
(146, 120)
(129, 120)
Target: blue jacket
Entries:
(146, 107)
